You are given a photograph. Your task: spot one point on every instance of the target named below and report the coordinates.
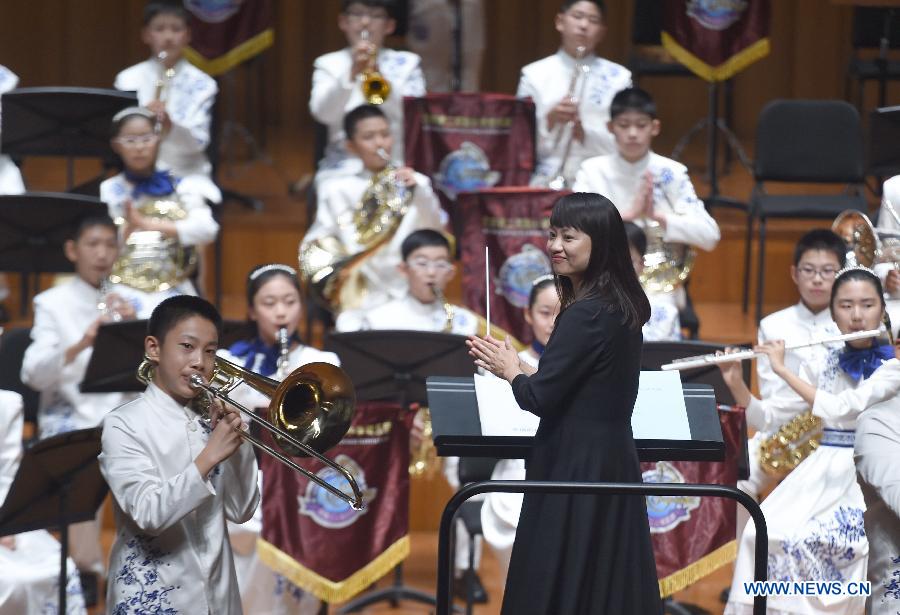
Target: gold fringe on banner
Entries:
(692, 573)
(224, 63)
(324, 589)
(727, 69)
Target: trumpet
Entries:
(309, 412)
(743, 355)
(375, 87)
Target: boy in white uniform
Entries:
(580, 115)
(818, 256)
(66, 320)
(183, 102)
(338, 78)
(340, 197)
(889, 219)
(427, 267)
(176, 479)
(648, 189)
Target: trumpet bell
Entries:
(858, 232)
(315, 405)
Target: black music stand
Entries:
(58, 483)
(33, 228)
(119, 349)
(393, 365)
(884, 134)
(61, 121)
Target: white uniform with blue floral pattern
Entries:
(334, 94)
(10, 176)
(410, 314)
(876, 452)
(815, 516)
(189, 100)
(171, 553)
(546, 82)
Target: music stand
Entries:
(33, 229)
(119, 349)
(58, 483)
(61, 121)
(393, 365)
(884, 134)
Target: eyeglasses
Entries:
(423, 264)
(137, 140)
(357, 15)
(810, 272)
(594, 20)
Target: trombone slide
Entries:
(743, 355)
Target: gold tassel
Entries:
(324, 589)
(695, 571)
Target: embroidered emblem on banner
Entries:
(716, 14)
(519, 271)
(465, 169)
(666, 512)
(326, 509)
(213, 11)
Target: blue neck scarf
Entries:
(248, 349)
(538, 348)
(160, 183)
(861, 363)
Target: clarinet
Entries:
(284, 345)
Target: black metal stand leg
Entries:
(748, 245)
(63, 551)
(761, 273)
(393, 594)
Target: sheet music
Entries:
(659, 412)
(498, 411)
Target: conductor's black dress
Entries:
(583, 554)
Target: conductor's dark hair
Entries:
(360, 113)
(632, 99)
(567, 4)
(863, 275)
(161, 7)
(261, 274)
(423, 238)
(388, 5)
(181, 307)
(637, 238)
(821, 239)
(610, 274)
(89, 222)
(538, 287)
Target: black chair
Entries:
(687, 316)
(873, 29)
(472, 470)
(802, 141)
(13, 344)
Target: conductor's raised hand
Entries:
(499, 358)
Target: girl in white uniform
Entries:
(500, 512)
(815, 516)
(273, 302)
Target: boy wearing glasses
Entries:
(138, 145)
(427, 267)
(179, 94)
(338, 79)
(818, 256)
(565, 115)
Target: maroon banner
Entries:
(716, 39)
(317, 540)
(694, 536)
(225, 33)
(512, 223)
(470, 141)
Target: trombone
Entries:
(309, 412)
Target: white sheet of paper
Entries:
(659, 412)
(498, 411)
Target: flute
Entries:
(743, 355)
